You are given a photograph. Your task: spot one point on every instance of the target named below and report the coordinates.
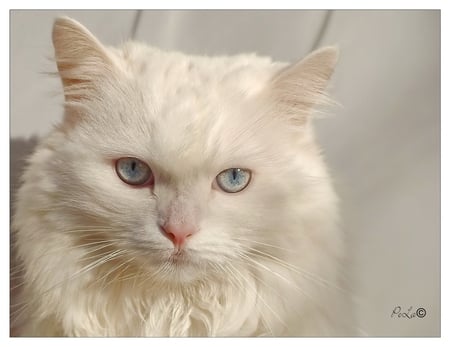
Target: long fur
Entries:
(265, 261)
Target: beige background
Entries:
(382, 144)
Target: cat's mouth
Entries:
(179, 256)
(182, 266)
(176, 263)
(180, 259)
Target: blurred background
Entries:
(382, 145)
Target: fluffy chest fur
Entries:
(180, 196)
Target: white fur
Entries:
(265, 261)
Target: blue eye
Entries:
(233, 180)
(134, 171)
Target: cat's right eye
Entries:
(134, 171)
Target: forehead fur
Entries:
(172, 107)
(246, 73)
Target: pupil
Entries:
(234, 174)
(133, 165)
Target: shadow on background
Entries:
(20, 150)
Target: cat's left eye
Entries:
(134, 171)
(233, 180)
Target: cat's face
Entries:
(186, 165)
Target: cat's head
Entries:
(188, 165)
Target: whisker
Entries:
(117, 277)
(83, 270)
(252, 261)
(298, 270)
(265, 244)
(16, 269)
(87, 228)
(104, 277)
(319, 305)
(138, 274)
(242, 288)
(258, 295)
(17, 286)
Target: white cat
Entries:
(181, 196)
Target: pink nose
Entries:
(177, 233)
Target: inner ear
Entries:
(80, 57)
(298, 88)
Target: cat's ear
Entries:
(300, 87)
(80, 57)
